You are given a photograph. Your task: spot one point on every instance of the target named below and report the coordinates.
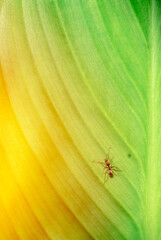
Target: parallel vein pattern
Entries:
(78, 77)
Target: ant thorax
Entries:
(107, 162)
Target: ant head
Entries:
(106, 160)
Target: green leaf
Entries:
(83, 76)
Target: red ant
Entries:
(109, 169)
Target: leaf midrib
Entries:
(151, 181)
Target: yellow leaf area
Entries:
(30, 206)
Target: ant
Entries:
(110, 170)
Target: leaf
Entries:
(77, 78)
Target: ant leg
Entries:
(98, 162)
(105, 170)
(111, 160)
(116, 168)
(107, 155)
(114, 173)
(105, 178)
(105, 167)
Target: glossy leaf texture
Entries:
(78, 77)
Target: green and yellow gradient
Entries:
(78, 77)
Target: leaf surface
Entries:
(78, 77)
